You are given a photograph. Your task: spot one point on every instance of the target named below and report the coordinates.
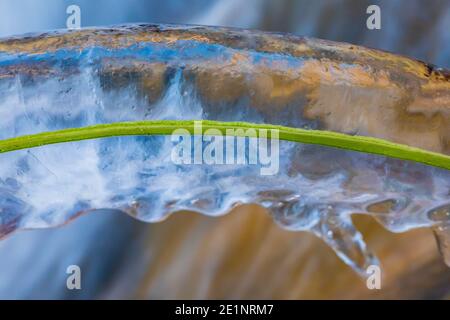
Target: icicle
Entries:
(341, 235)
(336, 230)
(442, 234)
(442, 230)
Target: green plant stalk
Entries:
(167, 127)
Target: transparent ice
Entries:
(317, 188)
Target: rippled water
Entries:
(66, 80)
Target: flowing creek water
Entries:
(144, 72)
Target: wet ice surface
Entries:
(316, 189)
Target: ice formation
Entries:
(78, 78)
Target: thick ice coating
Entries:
(80, 78)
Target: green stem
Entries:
(166, 127)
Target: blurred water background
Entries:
(192, 256)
